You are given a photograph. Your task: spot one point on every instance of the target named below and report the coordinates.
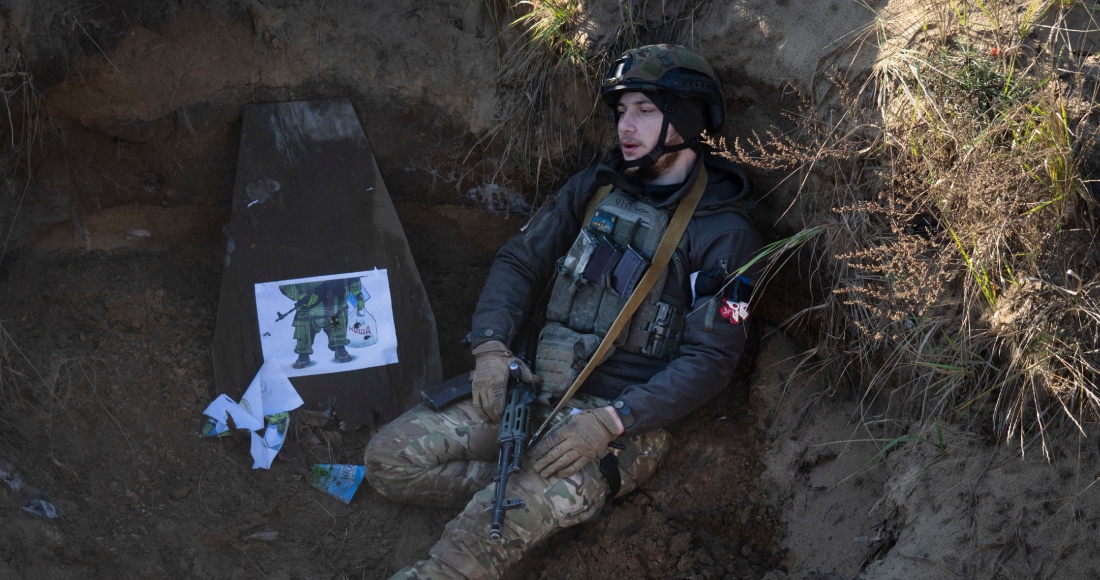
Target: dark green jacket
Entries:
(656, 391)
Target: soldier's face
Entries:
(640, 126)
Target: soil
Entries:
(110, 273)
(123, 339)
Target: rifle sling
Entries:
(676, 228)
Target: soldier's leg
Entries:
(465, 550)
(433, 459)
(338, 333)
(640, 455)
(303, 334)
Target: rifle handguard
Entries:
(513, 437)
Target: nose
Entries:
(627, 123)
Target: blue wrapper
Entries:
(338, 480)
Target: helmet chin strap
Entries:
(650, 159)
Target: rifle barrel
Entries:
(504, 459)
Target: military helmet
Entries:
(669, 69)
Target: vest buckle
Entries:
(658, 330)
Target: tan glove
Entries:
(490, 377)
(578, 439)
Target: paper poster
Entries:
(327, 324)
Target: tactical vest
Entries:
(594, 280)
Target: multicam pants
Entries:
(442, 459)
(307, 324)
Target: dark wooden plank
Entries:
(329, 213)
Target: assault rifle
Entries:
(515, 433)
(515, 423)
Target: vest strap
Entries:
(675, 230)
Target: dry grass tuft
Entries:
(22, 122)
(959, 236)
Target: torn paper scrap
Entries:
(270, 392)
(214, 428)
(339, 481)
(223, 407)
(275, 433)
(266, 447)
(262, 456)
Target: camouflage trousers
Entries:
(307, 324)
(442, 459)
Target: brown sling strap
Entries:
(669, 241)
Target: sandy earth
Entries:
(107, 330)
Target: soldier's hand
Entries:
(578, 439)
(490, 377)
(313, 299)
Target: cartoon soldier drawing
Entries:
(323, 306)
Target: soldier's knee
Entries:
(560, 503)
(388, 470)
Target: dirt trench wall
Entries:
(141, 104)
(138, 103)
(153, 119)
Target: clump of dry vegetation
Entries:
(23, 382)
(958, 220)
(21, 120)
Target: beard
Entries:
(663, 164)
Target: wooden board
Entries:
(329, 213)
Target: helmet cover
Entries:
(669, 69)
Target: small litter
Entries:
(32, 500)
(338, 480)
(264, 536)
(40, 507)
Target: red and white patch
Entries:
(735, 312)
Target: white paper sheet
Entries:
(270, 392)
(223, 406)
(276, 315)
(268, 400)
(262, 455)
(266, 447)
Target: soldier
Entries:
(679, 349)
(323, 306)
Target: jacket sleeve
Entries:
(525, 265)
(711, 345)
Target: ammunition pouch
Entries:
(594, 280)
(560, 356)
(656, 330)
